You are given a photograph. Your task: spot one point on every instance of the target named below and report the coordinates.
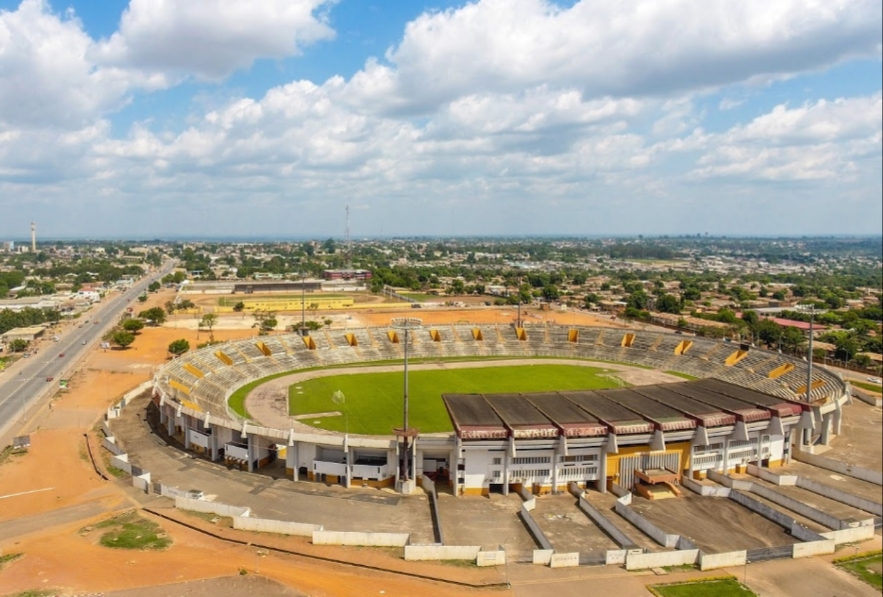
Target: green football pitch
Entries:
(373, 401)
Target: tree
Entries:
(769, 332)
(238, 307)
(792, 339)
(550, 292)
(170, 307)
(18, 345)
(133, 325)
(208, 321)
(154, 286)
(142, 298)
(119, 337)
(154, 316)
(638, 300)
(179, 347)
(847, 347)
(185, 304)
(668, 303)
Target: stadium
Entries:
(730, 406)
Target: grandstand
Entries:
(687, 421)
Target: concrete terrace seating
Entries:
(289, 353)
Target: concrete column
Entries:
(453, 472)
(826, 428)
(213, 444)
(251, 452)
(554, 474)
(186, 420)
(347, 481)
(506, 472)
(601, 483)
(291, 461)
(726, 455)
(394, 457)
(170, 422)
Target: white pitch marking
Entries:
(3, 497)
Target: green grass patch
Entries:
(374, 400)
(682, 375)
(237, 398)
(221, 521)
(719, 587)
(35, 593)
(867, 386)
(9, 557)
(424, 298)
(867, 567)
(131, 531)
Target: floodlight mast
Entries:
(809, 309)
(406, 325)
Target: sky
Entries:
(237, 118)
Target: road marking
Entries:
(3, 497)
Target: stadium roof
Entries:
(625, 411)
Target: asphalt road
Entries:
(19, 390)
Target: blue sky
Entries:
(228, 117)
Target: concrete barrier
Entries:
(850, 535)
(615, 557)
(434, 511)
(711, 561)
(840, 496)
(620, 492)
(542, 556)
(142, 482)
(121, 461)
(441, 552)
(660, 559)
(280, 527)
(532, 526)
(169, 491)
(705, 490)
(605, 525)
(646, 527)
(875, 477)
(358, 538)
(771, 477)
(109, 444)
(184, 503)
(490, 558)
(564, 560)
(813, 548)
(804, 510)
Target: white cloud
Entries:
(632, 47)
(211, 39)
(45, 77)
(823, 140)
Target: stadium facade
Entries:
(748, 407)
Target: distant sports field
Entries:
(373, 401)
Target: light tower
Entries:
(349, 246)
(33, 237)
(406, 325)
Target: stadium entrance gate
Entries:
(628, 465)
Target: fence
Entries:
(356, 538)
(184, 503)
(764, 554)
(441, 552)
(280, 527)
(530, 502)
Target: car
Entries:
(874, 379)
(61, 354)
(50, 378)
(84, 343)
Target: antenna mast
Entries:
(349, 246)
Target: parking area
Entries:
(859, 440)
(604, 503)
(485, 521)
(336, 508)
(856, 487)
(814, 500)
(716, 525)
(567, 527)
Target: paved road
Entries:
(19, 390)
